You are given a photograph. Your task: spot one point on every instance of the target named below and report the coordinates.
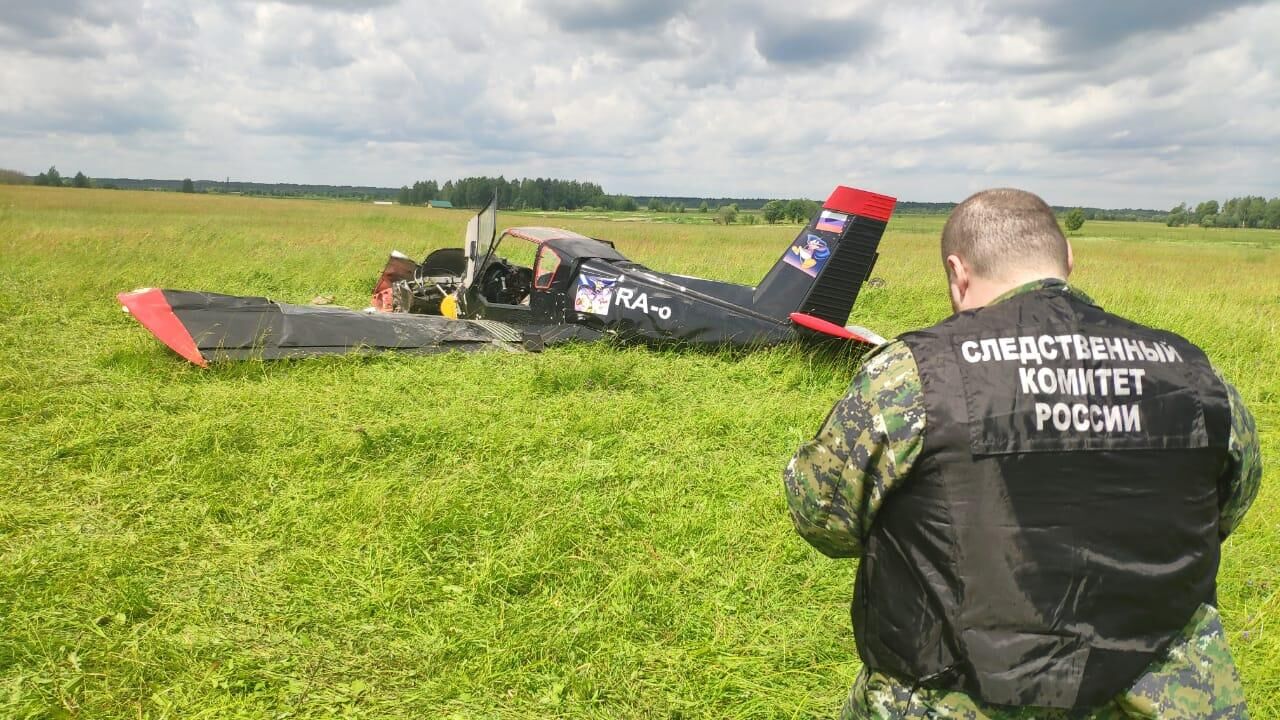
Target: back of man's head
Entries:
(1003, 234)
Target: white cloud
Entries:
(1141, 104)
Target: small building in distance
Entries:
(382, 202)
(440, 204)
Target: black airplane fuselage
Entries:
(572, 288)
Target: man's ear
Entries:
(1071, 260)
(957, 279)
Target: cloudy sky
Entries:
(1097, 102)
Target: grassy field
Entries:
(587, 532)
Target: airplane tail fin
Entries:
(821, 273)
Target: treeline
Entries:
(516, 194)
(1239, 212)
(1090, 213)
(291, 190)
(691, 203)
(555, 194)
(923, 208)
(53, 178)
(796, 211)
(13, 177)
(1127, 214)
(236, 187)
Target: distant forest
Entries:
(557, 194)
(517, 194)
(1090, 213)
(335, 192)
(1248, 212)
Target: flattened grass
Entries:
(588, 532)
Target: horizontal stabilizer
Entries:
(851, 332)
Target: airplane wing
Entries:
(204, 327)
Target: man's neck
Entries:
(983, 292)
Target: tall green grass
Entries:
(588, 532)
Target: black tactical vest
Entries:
(1060, 526)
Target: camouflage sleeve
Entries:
(838, 480)
(1243, 475)
(1197, 679)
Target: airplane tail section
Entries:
(821, 273)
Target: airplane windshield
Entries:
(516, 250)
(482, 236)
(507, 275)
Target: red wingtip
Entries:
(862, 203)
(817, 324)
(152, 310)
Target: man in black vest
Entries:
(1038, 490)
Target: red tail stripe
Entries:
(152, 310)
(817, 324)
(860, 202)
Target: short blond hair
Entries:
(1001, 231)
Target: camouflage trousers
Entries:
(1196, 680)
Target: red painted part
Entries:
(827, 328)
(539, 235)
(539, 271)
(397, 268)
(382, 300)
(860, 202)
(152, 310)
(520, 233)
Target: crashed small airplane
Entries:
(532, 287)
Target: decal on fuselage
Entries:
(594, 294)
(831, 221)
(631, 299)
(809, 255)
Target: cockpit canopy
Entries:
(524, 259)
